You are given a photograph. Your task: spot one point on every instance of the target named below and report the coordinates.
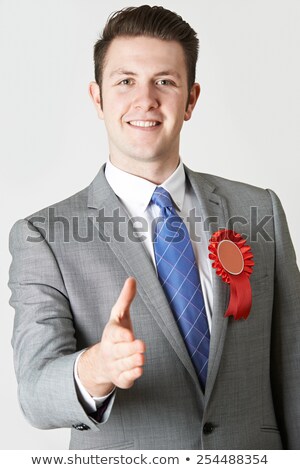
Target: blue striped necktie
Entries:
(179, 276)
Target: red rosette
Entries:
(233, 261)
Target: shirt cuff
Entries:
(91, 404)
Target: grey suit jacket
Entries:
(63, 289)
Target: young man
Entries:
(123, 335)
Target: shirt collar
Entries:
(134, 189)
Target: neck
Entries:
(157, 172)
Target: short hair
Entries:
(156, 22)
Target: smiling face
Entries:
(144, 98)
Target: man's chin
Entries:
(146, 157)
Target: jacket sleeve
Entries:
(44, 337)
(285, 345)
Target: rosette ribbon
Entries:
(233, 261)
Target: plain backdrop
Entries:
(245, 126)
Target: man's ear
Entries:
(193, 97)
(94, 92)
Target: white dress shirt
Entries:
(135, 194)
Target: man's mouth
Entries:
(144, 123)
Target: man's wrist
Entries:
(85, 371)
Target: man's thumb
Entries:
(125, 299)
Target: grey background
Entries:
(245, 126)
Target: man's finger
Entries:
(127, 378)
(125, 299)
(124, 349)
(130, 362)
(117, 333)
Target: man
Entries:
(130, 348)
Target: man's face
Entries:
(144, 97)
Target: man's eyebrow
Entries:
(122, 71)
(168, 72)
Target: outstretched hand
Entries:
(118, 359)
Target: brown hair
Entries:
(149, 21)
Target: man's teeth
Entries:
(144, 123)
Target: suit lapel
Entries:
(213, 208)
(137, 263)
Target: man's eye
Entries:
(165, 82)
(126, 81)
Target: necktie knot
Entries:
(162, 198)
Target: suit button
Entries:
(80, 427)
(208, 428)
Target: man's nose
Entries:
(145, 98)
